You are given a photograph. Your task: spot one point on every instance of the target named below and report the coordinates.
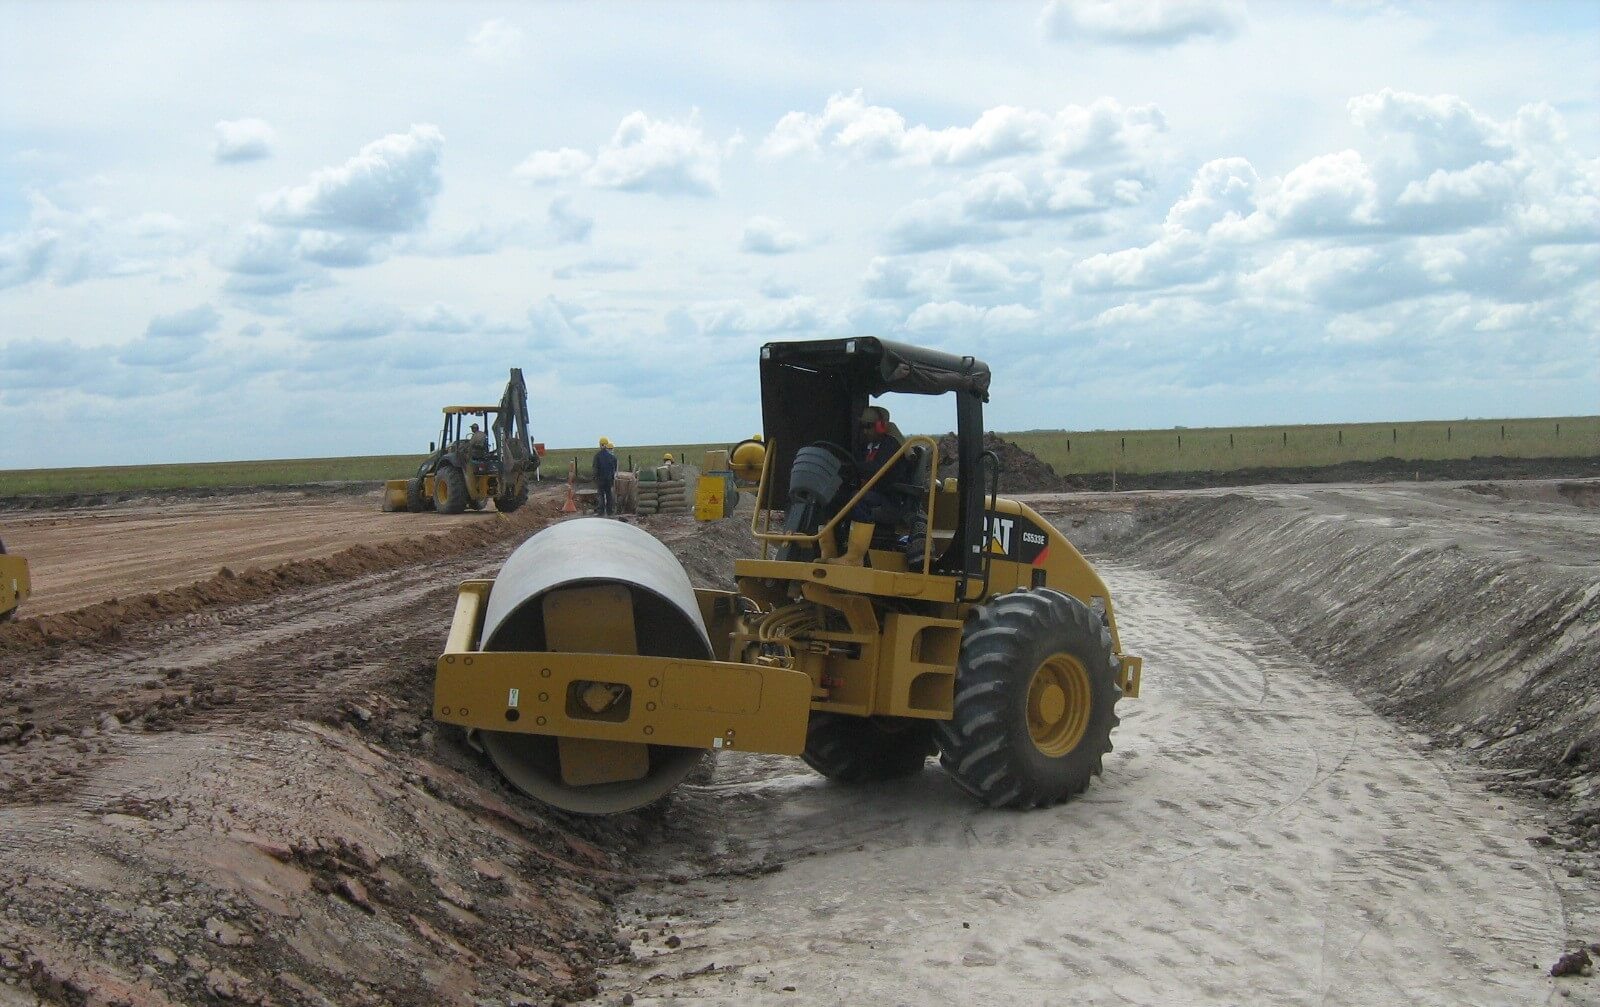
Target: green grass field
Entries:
(1221, 449)
(123, 478)
(284, 472)
(1216, 449)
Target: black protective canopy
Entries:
(874, 366)
(814, 391)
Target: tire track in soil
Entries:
(1259, 836)
(305, 655)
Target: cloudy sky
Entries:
(245, 231)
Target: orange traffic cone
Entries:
(571, 506)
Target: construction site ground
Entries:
(84, 554)
(1364, 770)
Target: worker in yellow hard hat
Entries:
(605, 474)
(667, 457)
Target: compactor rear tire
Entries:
(449, 490)
(416, 503)
(1035, 702)
(849, 749)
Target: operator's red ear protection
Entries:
(880, 428)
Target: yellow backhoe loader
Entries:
(461, 471)
(890, 616)
(14, 583)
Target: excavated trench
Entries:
(248, 803)
(1470, 611)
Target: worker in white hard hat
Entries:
(605, 475)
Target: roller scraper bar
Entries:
(588, 673)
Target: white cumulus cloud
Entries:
(242, 140)
(178, 324)
(768, 236)
(1468, 223)
(1332, 193)
(553, 165)
(983, 207)
(1103, 130)
(938, 320)
(67, 246)
(1441, 131)
(495, 41)
(663, 156)
(1141, 22)
(388, 188)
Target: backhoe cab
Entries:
(593, 674)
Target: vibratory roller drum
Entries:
(599, 587)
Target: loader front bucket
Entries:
(394, 495)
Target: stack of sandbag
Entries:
(625, 489)
(667, 489)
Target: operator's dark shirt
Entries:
(875, 453)
(605, 467)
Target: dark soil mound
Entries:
(1020, 471)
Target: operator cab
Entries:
(457, 433)
(817, 401)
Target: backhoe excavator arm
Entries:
(511, 425)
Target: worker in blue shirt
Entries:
(605, 475)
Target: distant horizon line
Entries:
(1129, 431)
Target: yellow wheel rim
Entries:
(1059, 699)
(441, 491)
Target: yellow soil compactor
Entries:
(14, 583)
(890, 616)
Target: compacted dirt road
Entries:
(82, 555)
(247, 803)
(1258, 837)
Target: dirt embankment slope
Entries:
(1021, 471)
(247, 802)
(1472, 611)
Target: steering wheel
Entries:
(846, 458)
